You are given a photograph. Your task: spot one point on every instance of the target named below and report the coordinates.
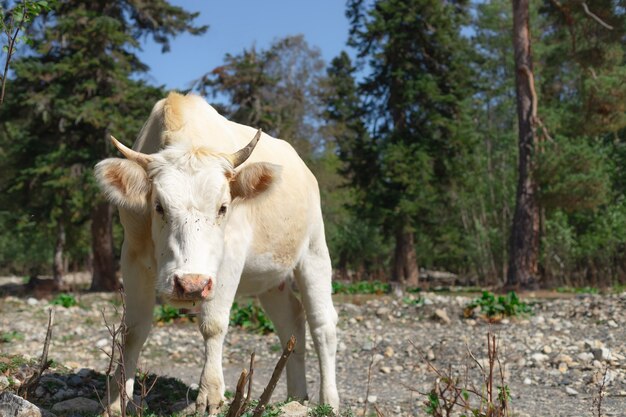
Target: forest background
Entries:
(415, 140)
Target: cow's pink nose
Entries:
(192, 286)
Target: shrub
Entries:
(250, 317)
(166, 313)
(65, 300)
(502, 305)
(8, 337)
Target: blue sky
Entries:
(238, 24)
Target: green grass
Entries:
(578, 290)
(10, 336)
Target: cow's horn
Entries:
(242, 154)
(141, 158)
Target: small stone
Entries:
(612, 323)
(4, 382)
(430, 355)
(571, 391)
(40, 392)
(388, 352)
(442, 315)
(294, 409)
(360, 400)
(372, 399)
(383, 312)
(562, 357)
(547, 349)
(77, 405)
(103, 343)
(398, 368)
(539, 358)
(341, 347)
(377, 358)
(74, 381)
(562, 367)
(194, 387)
(385, 369)
(585, 356)
(32, 301)
(602, 354)
(368, 345)
(527, 381)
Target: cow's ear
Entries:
(125, 183)
(253, 179)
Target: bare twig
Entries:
(250, 373)
(44, 363)
(595, 17)
(269, 389)
(597, 400)
(11, 47)
(236, 405)
(369, 379)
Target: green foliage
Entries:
(361, 287)
(10, 336)
(165, 313)
(577, 290)
(501, 306)
(250, 317)
(322, 410)
(64, 300)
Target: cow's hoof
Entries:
(202, 405)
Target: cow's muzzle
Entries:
(192, 286)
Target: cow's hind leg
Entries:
(287, 314)
(313, 275)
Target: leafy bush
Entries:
(361, 287)
(502, 305)
(166, 313)
(321, 410)
(250, 317)
(64, 300)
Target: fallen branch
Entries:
(269, 389)
(44, 363)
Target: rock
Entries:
(368, 345)
(103, 343)
(388, 352)
(377, 358)
(539, 358)
(74, 381)
(602, 354)
(612, 323)
(527, 381)
(4, 382)
(571, 391)
(385, 369)
(40, 392)
(547, 349)
(398, 368)
(14, 406)
(383, 312)
(562, 367)
(32, 301)
(294, 409)
(442, 315)
(372, 399)
(563, 358)
(430, 355)
(76, 405)
(585, 356)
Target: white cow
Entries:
(206, 218)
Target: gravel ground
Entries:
(554, 359)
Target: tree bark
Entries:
(58, 266)
(524, 243)
(104, 267)
(405, 271)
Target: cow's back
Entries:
(283, 218)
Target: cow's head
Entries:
(186, 192)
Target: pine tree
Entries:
(78, 87)
(414, 93)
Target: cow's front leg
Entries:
(214, 319)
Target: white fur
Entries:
(265, 238)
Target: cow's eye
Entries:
(159, 208)
(222, 210)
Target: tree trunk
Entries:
(524, 244)
(58, 266)
(103, 278)
(405, 271)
